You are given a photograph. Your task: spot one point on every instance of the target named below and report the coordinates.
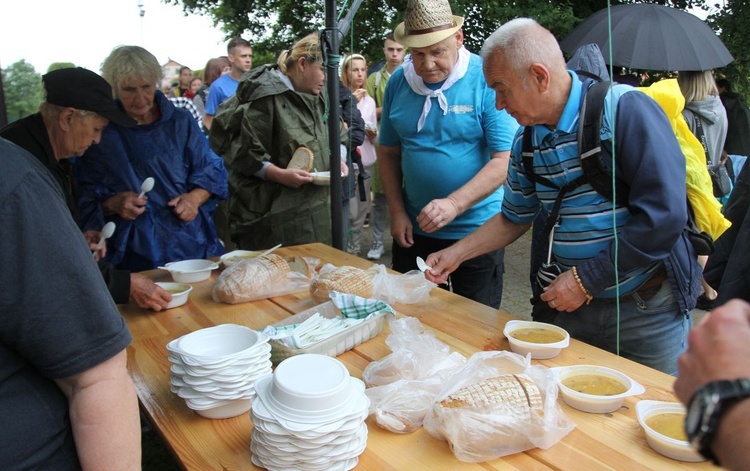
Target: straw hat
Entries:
(427, 22)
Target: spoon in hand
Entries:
(107, 232)
(146, 186)
(422, 265)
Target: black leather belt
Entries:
(650, 287)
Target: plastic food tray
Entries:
(334, 345)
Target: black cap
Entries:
(84, 90)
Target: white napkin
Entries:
(419, 87)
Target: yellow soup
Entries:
(597, 385)
(671, 424)
(175, 290)
(537, 335)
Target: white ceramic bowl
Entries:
(218, 345)
(593, 403)
(680, 450)
(229, 259)
(310, 387)
(179, 292)
(191, 271)
(539, 351)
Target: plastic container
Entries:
(590, 402)
(334, 345)
(680, 450)
(191, 271)
(229, 259)
(179, 292)
(539, 351)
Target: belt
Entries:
(650, 287)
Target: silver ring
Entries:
(553, 303)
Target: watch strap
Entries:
(722, 394)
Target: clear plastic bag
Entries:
(483, 433)
(408, 288)
(402, 385)
(253, 279)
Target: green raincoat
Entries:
(266, 121)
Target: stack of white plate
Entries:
(215, 369)
(310, 414)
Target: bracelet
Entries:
(586, 293)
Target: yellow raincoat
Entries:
(700, 192)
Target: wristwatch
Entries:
(705, 409)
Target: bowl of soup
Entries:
(230, 258)
(179, 292)
(541, 340)
(664, 425)
(595, 389)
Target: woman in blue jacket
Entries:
(174, 221)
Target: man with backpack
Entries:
(622, 273)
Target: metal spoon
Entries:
(107, 232)
(146, 186)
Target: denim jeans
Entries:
(480, 278)
(652, 332)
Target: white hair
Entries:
(523, 42)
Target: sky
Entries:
(84, 32)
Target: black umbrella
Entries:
(651, 37)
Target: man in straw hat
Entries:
(443, 138)
(77, 107)
(629, 277)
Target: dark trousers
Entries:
(480, 278)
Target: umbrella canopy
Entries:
(651, 37)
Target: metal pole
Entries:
(330, 49)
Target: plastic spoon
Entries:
(146, 186)
(269, 251)
(107, 232)
(422, 265)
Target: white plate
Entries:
(229, 259)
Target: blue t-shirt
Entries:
(450, 149)
(222, 88)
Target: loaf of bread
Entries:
(517, 392)
(349, 280)
(302, 159)
(249, 280)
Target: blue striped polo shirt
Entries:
(588, 221)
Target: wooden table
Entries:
(599, 441)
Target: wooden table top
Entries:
(599, 441)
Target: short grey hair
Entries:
(523, 42)
(126, 63)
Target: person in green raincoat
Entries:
(277, 109)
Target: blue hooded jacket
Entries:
(173, 151)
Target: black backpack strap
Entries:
(593, 165)
(527, 155)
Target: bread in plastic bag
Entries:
(484, 432)
(263, 277)
(375, 282)
(402, 385)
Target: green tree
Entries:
(23, 89)
(731, 22)
(273, 25)
(60, 65)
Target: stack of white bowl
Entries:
(310, 414)
(215, 369)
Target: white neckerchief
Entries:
(418, 86)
